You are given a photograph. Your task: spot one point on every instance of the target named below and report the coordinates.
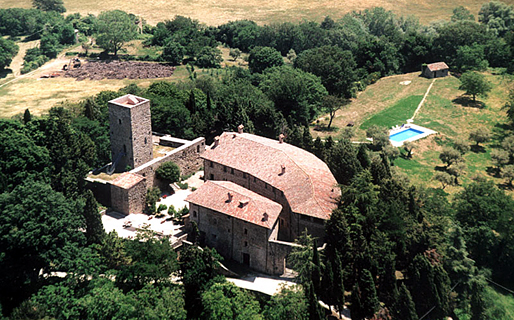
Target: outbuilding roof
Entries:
(127, 180)
(437, 66)
(306, 181)
(233, 200)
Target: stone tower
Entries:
(130, 132)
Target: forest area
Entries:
(394, 250)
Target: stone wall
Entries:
(219, 172)
(236, 239)
(101, 189)
(131, 200)
(187, 157)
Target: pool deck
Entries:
(426, 133)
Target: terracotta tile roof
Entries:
(307, 183)
(127, 180)
(437, 66)
(244, 205)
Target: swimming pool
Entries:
(405, 134)
(411, 133)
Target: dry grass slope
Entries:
(214, 12)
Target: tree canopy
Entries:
(114, 29)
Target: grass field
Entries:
(215, 12)
(395, 115)
(386, 102)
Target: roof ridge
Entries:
(301, 168)
(250, 198)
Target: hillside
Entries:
(218, 12)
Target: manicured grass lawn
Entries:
(395, 115)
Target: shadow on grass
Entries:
(468, 102)
(323, 128)
(493, 171)
(440, 168)
(4, 73)
(506, 186)
(477, 149)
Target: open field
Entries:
(445, 111)
(215, 12)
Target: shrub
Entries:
(182, 185)
(162, 207)
(169, 171)
(152, 196)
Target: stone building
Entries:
(287, 175)
(132, 148)
(130, 127)
(239, 223)
(435, 70)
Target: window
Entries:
(211, 164)
(212, 176)
(124, 148)
(246, 243)
(214, 236)
(228, 230)
(254, 179)
(197, 148)
(224, 168)
(194, 214)
(119, 121)
(244, 175)
(266, 186)
(231, 170)
(246, 231)
(145, 140)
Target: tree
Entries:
(330, 105)
(480, 135)
(409, 146)
(27, 116)
(225, 301)
(404, 307)
(8, 49)
(500, 157)
(335, 67)
(49, 5)
(461, 145)
(235, 53)
(497, 16)
(444, 178)
(342, 161)
(115, 28)
(380, 137)
(152, 196)
(169, 171)
(456, 169)
(261, 58)
(474, 84)
(369, 299)
(507, 172)
(301, 258)
(450, 155)
(173, 52)
(462, 13)
(471, 58)
(209, 57)
(288, 304)
(509, 106)
(94, 227)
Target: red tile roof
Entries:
(307, 183)
(437, 66)
(127, 180)
(244, 204)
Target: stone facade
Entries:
(130, 131)
(435, 70)
(128, 193)
(186, 156)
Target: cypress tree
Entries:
(94, 227)
(477, 302)
(356, 307)
(313, 304)
(318, 148)
(27, 116)
(307, 143)
(363, 156)
(316, 268)
(404, 308)
(368, 297)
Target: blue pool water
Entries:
(405, 134)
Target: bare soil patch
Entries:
(120, 70)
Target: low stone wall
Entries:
(101, 189)
(187, 157)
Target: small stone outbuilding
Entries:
(435, 70)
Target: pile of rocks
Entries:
(98, 70)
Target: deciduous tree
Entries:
(49, 5)
(114, 29)
(474, 84)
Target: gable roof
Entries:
(307, 183)
(244, 204)
(437, 66)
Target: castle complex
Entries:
(259, 194)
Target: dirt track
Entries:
(96, 70)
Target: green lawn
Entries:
(500, 306)
(395, 115)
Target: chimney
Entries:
(240, 128)
(281, 138)
(264, 217)
(243, 203)
(230, 196)
(216, 141)
(282, 169)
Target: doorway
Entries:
(246, 259)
